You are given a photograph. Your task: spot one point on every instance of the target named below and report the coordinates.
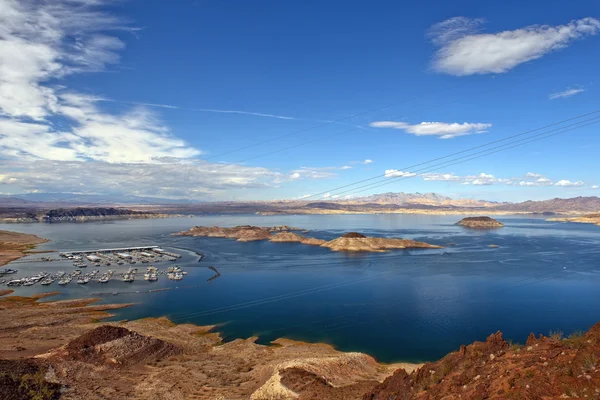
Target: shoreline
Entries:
(240, 368)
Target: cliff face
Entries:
(480, 223)
(545, 368)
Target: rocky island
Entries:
(480, 223)
(349, 242)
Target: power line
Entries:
(459, 152)
(540, 136)
(219, 167)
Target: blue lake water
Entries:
(405, 305)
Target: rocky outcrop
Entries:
(351, 241)
(118, 345)
(545, 368)
(26, 379)
(480, 223)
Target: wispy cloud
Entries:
(367, 161)
(216, 111)
(317, 172)
(464, 50)
(190, 179)
(565, 93)
(442, 129)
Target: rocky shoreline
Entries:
(156, 359)
(62, 349)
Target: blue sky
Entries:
(187, 98)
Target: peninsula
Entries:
(584, 219)
(354, 242)
(480, 223)
(14, 245)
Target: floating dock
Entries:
(119, 250)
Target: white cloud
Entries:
(305, 196)
(43, 42)
(191, 179)
(442, 129)
(565, 93)
(393, 173)
(367, 161)
(327, 195)
(317, 172)
(595, 187)
(483, 179)
(568, 183)
(465, 51)
(533, 175)
(440, 177)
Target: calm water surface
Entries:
(405, 305)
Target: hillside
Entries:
(573, 205)
(77, 214)
(545, 368)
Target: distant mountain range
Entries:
(82, 199)
(430, 199)
(384, 202)
(580, 204)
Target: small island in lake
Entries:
(480, 223)
(283, 234)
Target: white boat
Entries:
(83, 281)
(47, 282)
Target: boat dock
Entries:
(66, 254)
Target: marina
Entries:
(115, 258)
